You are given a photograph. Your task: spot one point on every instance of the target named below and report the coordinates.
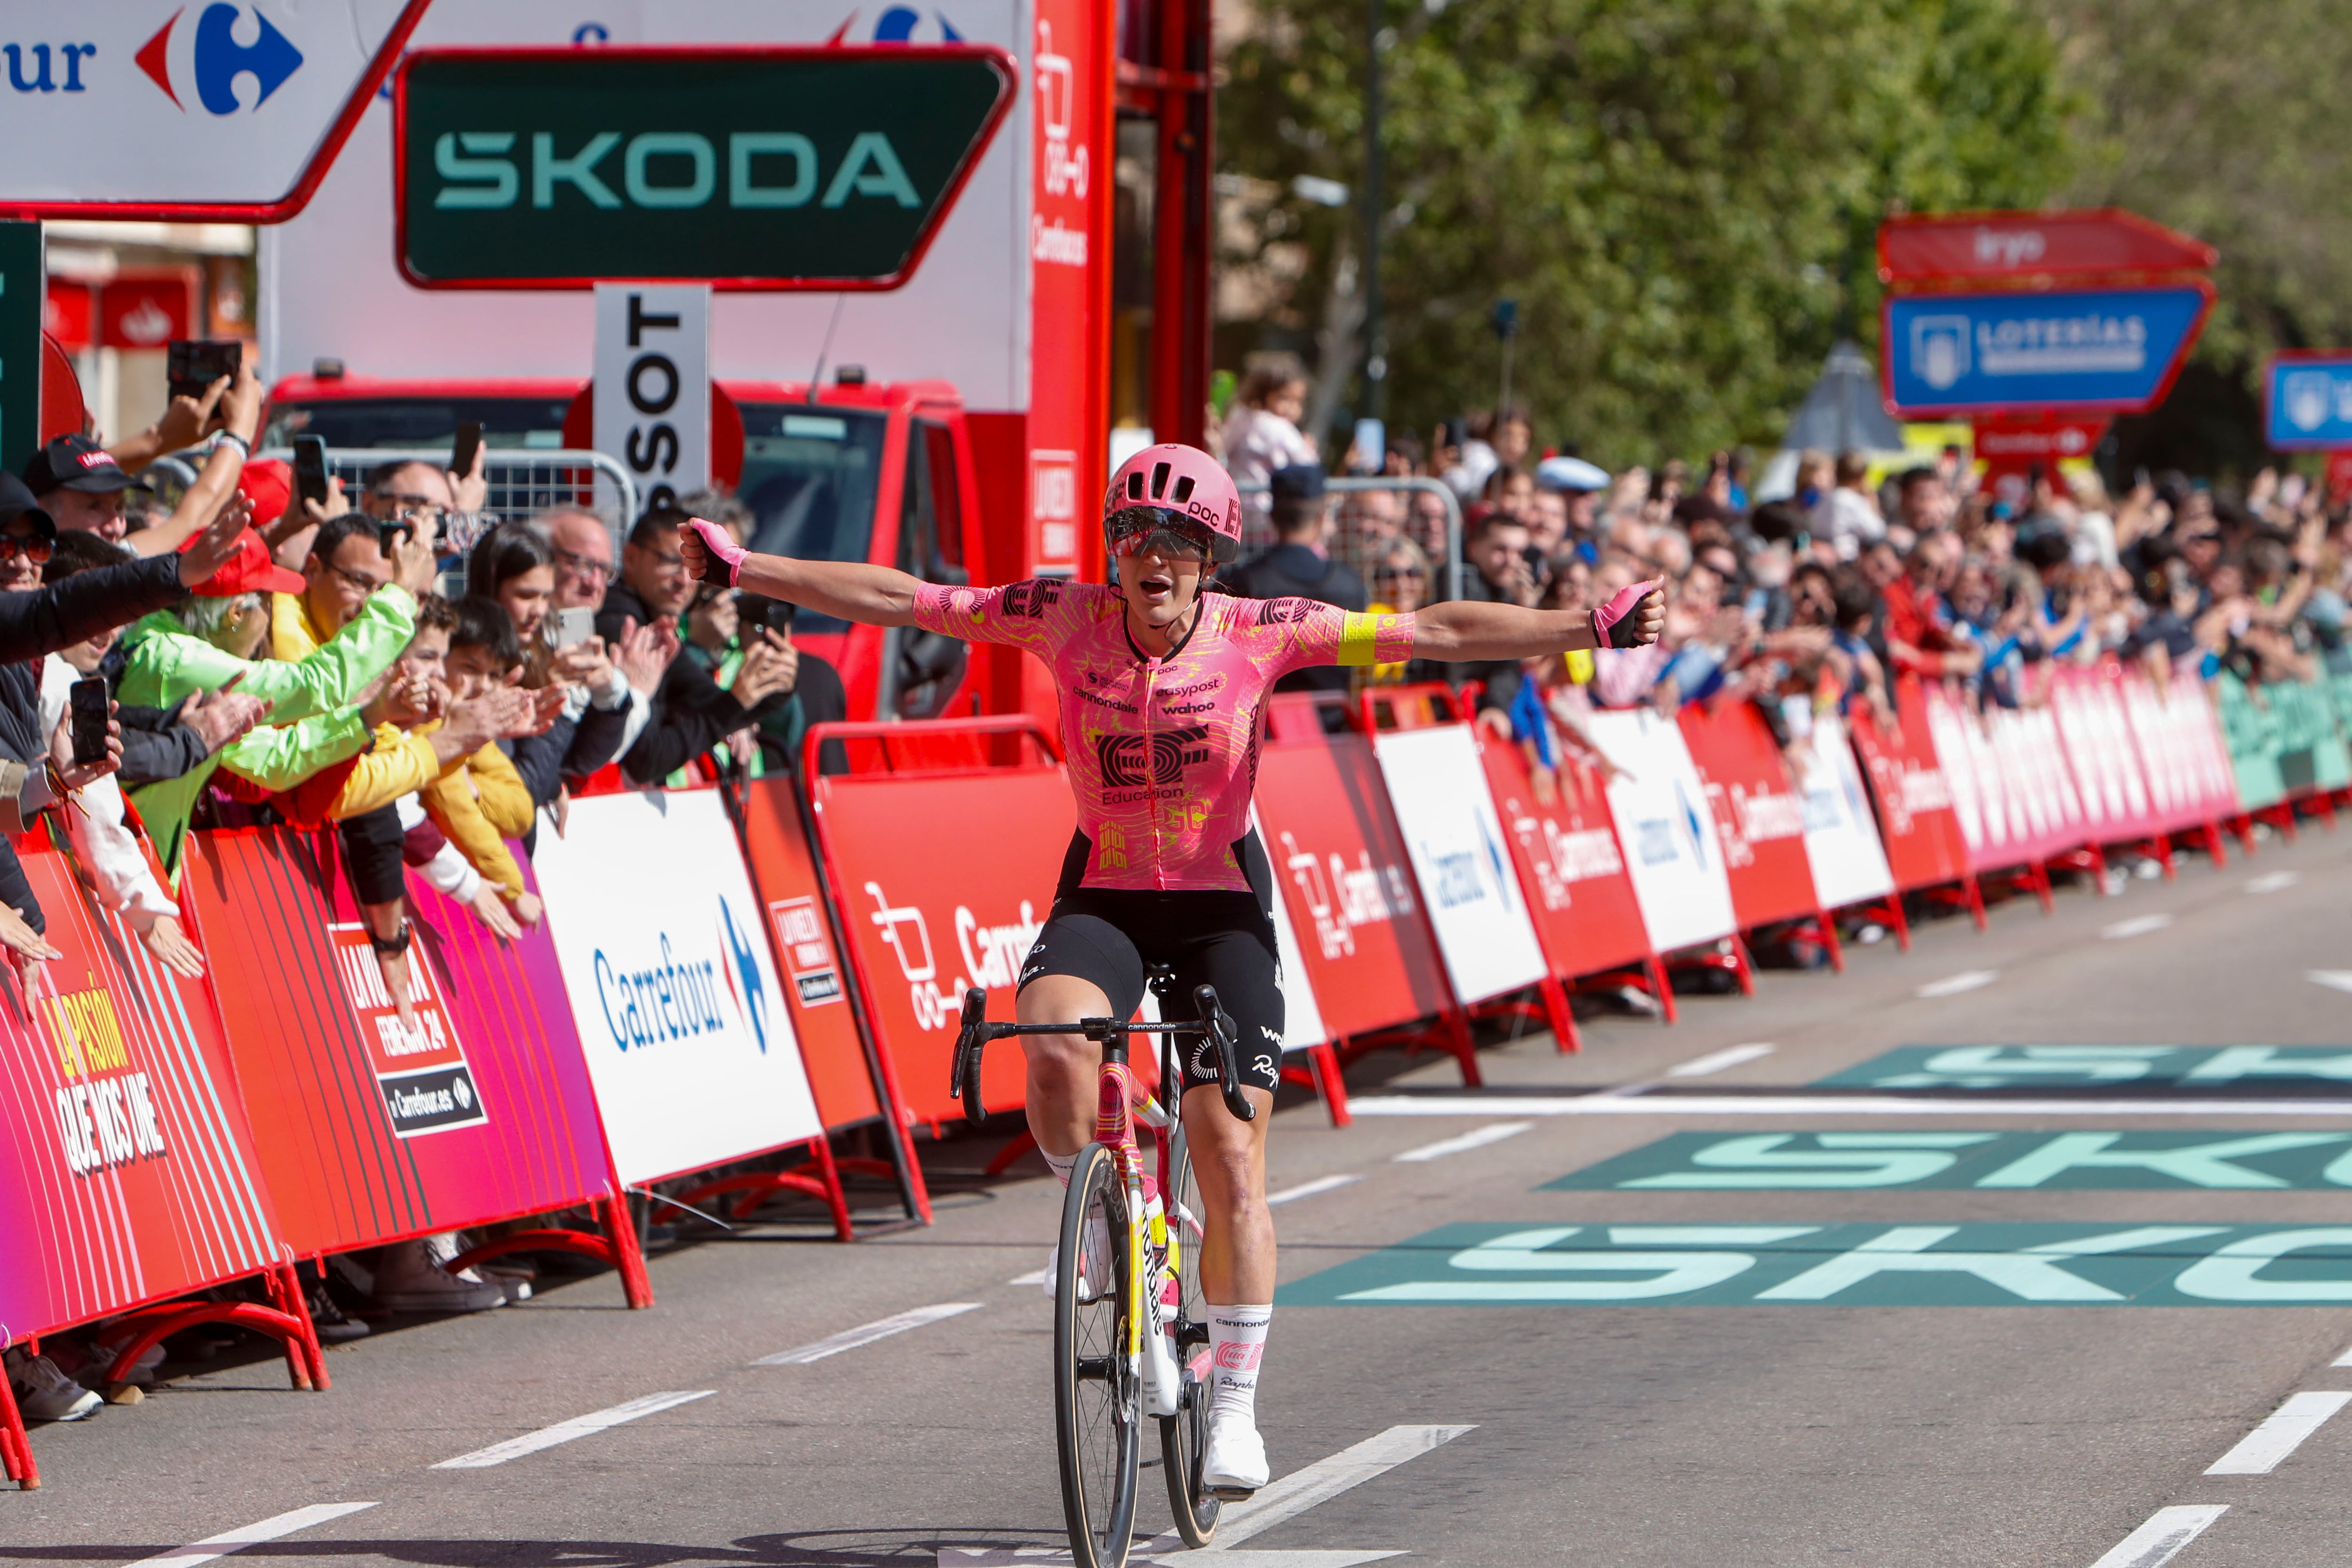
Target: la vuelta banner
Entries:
(1366, 944)
(1760, 817)
(2089, 707)
(1916, 822)
(369, 1132)
(945, 881)
(1570, 863)
(128, 1170)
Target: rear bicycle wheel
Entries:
(1097, 1397)
(1183, 1435)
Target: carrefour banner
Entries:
(126, 1168)
(1672, 847)
(679, 1010)
(1437, 786)
(371, 1128)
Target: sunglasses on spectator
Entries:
(34, 549)
(416, 508)
(581, 565)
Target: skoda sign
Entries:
(748, 168)
(2114, 350)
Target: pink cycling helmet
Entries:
(1188, 486)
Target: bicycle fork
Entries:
(1151, 1242)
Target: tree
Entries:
(1682, 194)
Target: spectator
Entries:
(1262, 433)
(688, 713)
(78, 475)
(582, 550)
(1919, 635)
(80, 484)
(1847, 517)
(445, 506)
(1299, 564)
(600, 713)
(1497, 554)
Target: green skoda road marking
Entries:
(2217, 1159)
(2098, 1066)
(1871, 1265)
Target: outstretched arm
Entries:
(847, 590)
(1465, 629)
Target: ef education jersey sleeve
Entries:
(1162, 753)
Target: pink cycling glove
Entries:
(1612, 623)
(723, 549)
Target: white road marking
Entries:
(1461, 1143)
(1719, 1061)
(1324, 1479)
(1315, 1188)
(1826, 1105)
(2159, 1540)
(2344, 1360)
(245, 1535)
(579, 1426)
(1034, 1277)
(2334, 979)
(2272, 882)
(880, 1329)
(2139, 925)
(2261, 1451)
(1953, 985)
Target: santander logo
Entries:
(206, 59)
(147, 323)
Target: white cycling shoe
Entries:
(1233, 1461)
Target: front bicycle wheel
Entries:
(1097, 1397)
(1183, 1435)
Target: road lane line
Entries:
(2344, 1360)
(2334, 979)
(1461, 1143)
(1034, 1277)
(2139, 925)
(1315, 1188)
(1953, 985)
(1824, 1105)
(1324, 1479)
(2159, 1540)
(2262, 1450)
(245, 1535)
(2273, 882)
(1719, 1061)
(880, 1329)
(570, 1431)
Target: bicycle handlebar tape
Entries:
(722, 548)
(1613, 625)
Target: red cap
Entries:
(249, 571)
(269, 484)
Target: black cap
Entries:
(1299, 481)
(77, 463)
(17, 500)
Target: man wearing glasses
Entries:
(440, 506)
(584, 558)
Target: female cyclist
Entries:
(1163, 691)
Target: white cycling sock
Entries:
(1061, 1165)
(1237, 1337)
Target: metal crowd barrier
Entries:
(1361, 549)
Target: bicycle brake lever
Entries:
(971, 1041)
(1228, 1048)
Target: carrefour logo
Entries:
(751, 1000)
(208, 56)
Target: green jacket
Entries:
(312, 723)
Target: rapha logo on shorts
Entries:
(1269, 1033)
(1031, 597)
(1134, 761)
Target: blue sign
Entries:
(2114, 350)
(2309, 402)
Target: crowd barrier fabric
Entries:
(1302, 1014)
(677, 1004)
(1917, 826)
(1578, 892)
(1841, 844)
(1759, 815)
(128, 1169)
(945, 879)
(1365, 946)
(2283, 739)
(816, 979)
(2183, 762)
(365, 1133)
(1437, 787)
(2015, 802)
(2109, 780)
(1671, 849)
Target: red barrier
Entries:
(2016, 802)
(851, 1079)
(1925, 847)
(1760, 817)
(364, 1139)
(128, 1169)
(944, 877)
(2184, 762)
(1366, 944)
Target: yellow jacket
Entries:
(479, 802)
(400, 763)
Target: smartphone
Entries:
(575, 625)
(779, 616)
(191, 365)
(87, 700)
(310, 468)
(470, 443)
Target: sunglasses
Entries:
(35, 549)
(1156, 531)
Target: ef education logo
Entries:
(207, 57)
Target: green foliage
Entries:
(1682, 195)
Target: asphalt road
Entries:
(1981, 1346)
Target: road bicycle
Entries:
(1130, 1339)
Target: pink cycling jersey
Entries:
(1162, 751)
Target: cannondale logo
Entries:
(1132, 762)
